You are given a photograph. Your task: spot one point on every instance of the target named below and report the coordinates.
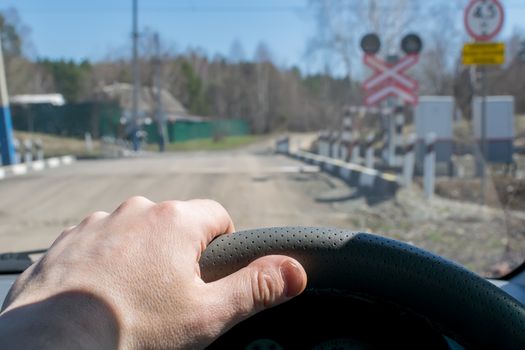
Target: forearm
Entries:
(71, 320)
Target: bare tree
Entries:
(341, 23)
(23, 76)
(262, 58)
(237, 54)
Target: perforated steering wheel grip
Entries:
(450, 296)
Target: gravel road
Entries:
(256, 186)
(259, 189)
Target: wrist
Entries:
(68, 320)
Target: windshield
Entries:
(402, 118)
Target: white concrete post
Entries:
(283, 145)
(28, 151)
(334, 144)
(369, 155)
(398, 139)
(355, 148)
(39, 148)
(409, 160)
(18, 153)
(89, 142)
(346, 138)
(385, 148)
(429, 165)
(390, 142)
(323, 144)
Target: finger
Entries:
(209, 219)
(266, 282)
(64, 233)
(132, 206)
(89, 220)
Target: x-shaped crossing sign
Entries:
(390, 80)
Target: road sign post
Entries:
(483, 21)
(483, 132)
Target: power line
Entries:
(216, 9)
(172, 9)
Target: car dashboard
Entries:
(333, 320)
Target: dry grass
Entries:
(58, 146)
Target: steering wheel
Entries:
(338, 262)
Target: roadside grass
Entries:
(226, 143)
(58, 146)
(435, 236)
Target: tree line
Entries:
(270, 97)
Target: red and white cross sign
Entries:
(390, 80)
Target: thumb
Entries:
(266, 282)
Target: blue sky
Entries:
(95, 28)
(77, 29)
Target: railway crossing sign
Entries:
(370, 43)
(484, 19)
(390, 79)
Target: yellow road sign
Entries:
(483, 53)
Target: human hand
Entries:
(131, 279)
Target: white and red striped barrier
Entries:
(369, 181)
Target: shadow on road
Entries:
(369, 196)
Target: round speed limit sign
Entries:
(484, 19)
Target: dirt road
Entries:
(259, 189)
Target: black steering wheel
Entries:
(377, 270)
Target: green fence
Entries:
(189, 130)
(103, 119)
(71, 120)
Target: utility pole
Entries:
(6, 127)
(157, 91)
(391, 104)
(136, 81)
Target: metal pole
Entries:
(6, 127)
(398, 134)
(409, 160)
(391, 103)
(429, 165)
(136, 80)
(483, 132)
(159, 112)
(391, 133)
(369, 153)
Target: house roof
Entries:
(122, 93)
(54, 99)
